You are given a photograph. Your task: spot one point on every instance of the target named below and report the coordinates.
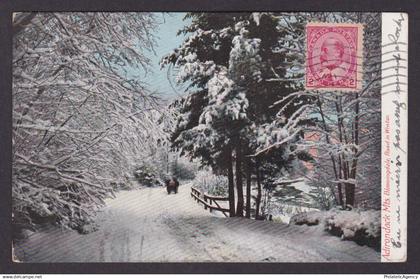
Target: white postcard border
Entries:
(394, 137)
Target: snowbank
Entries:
(148, 225)
(361, 226)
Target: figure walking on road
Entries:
(172, 185)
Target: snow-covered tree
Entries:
(232, 63)
(81, 120)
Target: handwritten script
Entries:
(394, 142)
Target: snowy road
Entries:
(147, 225)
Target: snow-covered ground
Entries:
(148, 225)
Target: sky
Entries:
(167, 40)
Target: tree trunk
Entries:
(350, 188)
(239, 186)
(337, 171)
(258, 200)
(340, 195)
(350, 191)
(167, 163)
(248, 189)
(231, 186)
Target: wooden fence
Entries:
(208, 201)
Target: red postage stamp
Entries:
(334, 56)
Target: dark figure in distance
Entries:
(172, 185)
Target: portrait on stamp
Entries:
(334, 54)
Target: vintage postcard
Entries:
(209, 137)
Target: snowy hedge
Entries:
(361, 226)
(211, 183)
(183, 169)
(147, 175)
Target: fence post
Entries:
(211, 204)
(205, 204)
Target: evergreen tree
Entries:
(234, 69)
